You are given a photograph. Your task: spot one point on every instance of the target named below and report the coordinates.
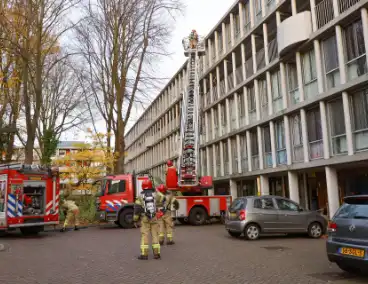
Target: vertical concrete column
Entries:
(265, 186)
(335, 5)
(233, 62)
(293, 7)
(206, 125)
(212, 96)
(230, 153)
(224, 38)
(258, 100)
(222, 168)
(293, 186)
(228, 117)
(203, 163)
(319, 69)
(213, 124)
(242, 46)
(265, 43)
(236, 101)
(254, 52)
(233, 189)
(325, 135)
(210, 53)
(260, 148)
(249, 151)
(313, 12)
(285, 98)
(263, 6)
(220, 126)
(269, 93)
(288, 140)
(348, 123)
(273, 144)
(364, 13)
(239, 154)
(216, 45)
(245, 91)
(300, 76)
(226, 74)
(232, 30)
(214, 159)
(208, 159)
(332, 190)
(241, 19)
(251, 12)
(340, 54)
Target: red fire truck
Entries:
(115, 203)
(29, 198)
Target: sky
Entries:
(201, 15)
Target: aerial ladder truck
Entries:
(194, 209)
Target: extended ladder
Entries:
(189, 171)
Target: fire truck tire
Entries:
(183, 221)
(31, 231)
(198, 216)
(126, 218)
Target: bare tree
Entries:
(120, 41)
(38, 26)
(63, 107)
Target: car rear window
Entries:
(353, 208)
(238, 204)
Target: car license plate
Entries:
(353, 252)
(232, 215)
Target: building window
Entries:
(226, 157)
(252, 104)
(293, 86)
(267, 147)
(234, 155)
(355, 50)
(297, 138)
(218, 160)
(337, 127)
(315, 133)
(360, 119)
(62, 153)
(280, 142)
(254, 149)
(276, 91)
(257, 10)
(331, 60)
(246, 15)
(220, 43)
(309, 74)
(237, 26)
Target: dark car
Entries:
(255, 215)
(347, 243)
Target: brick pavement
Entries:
(202, 255)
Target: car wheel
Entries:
(315, 230)
(348, 268)
(234, 234)
(252, 232)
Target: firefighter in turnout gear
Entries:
(166, 222)
(149, 215)
(71, 213)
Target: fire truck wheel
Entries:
(31, 231)
(182, 221)
(126, 219)
(198, 216)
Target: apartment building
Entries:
(284, 103)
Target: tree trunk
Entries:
(120, 147)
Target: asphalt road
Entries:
(201, 255)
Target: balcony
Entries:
(293, 31)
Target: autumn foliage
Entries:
(88, 163)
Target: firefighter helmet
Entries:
(161, 188)
(169, 163)
(147, 184)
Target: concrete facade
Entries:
(284, 100)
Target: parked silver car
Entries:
(255, 215)
(347, 243)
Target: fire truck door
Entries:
(3, 199)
